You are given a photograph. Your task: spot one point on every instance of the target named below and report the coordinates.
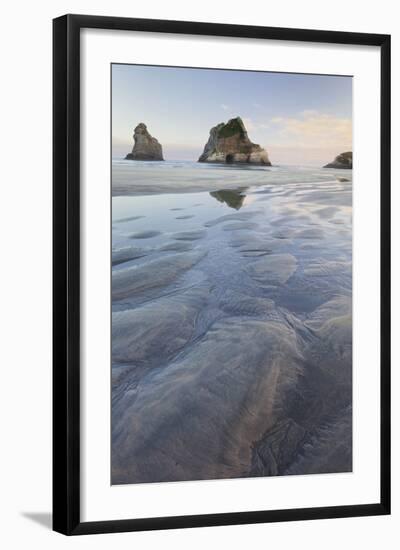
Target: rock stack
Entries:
(146, 147)
(229, 143)
(344, 160)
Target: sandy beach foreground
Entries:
(231, 323)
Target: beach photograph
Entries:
(231, 264)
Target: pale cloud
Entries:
(249, 123)
(314, 129)
(308, 113)
(225, 107)
(253, 125)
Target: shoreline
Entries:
(138, 179)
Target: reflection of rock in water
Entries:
(233, 198)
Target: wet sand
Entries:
(231, 325)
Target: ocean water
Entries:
(231, 324)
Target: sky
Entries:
(299, 119)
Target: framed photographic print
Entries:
(221, 274)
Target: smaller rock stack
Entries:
(344, 160)
(146, 147)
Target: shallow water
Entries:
(231, 321)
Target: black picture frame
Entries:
(66, 273)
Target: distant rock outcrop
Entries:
(146, 146)
(344, 160)
(229, 143)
